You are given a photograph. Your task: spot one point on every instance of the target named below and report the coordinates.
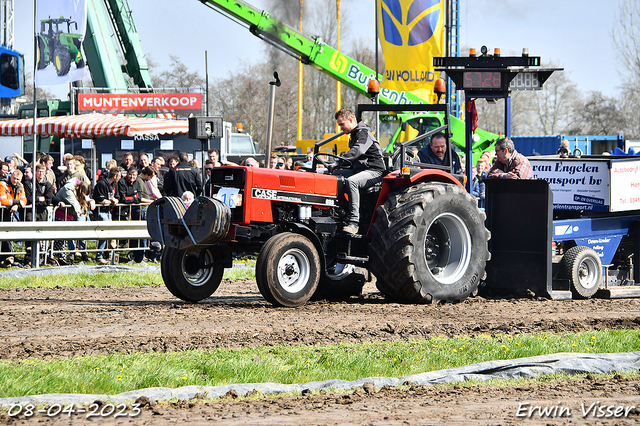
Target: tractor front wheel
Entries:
(191, 275)
(429, 244)
(288, 270)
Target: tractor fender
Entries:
(302, 229)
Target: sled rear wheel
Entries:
(191, 275)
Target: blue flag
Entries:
(60, 28)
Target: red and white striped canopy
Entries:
(93, 126)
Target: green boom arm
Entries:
(326, 59)
(309, 51)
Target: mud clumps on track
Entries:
(61, 322)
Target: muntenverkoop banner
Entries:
(60, 28)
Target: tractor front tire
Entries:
(62, 61)
(191, 275)
(288, 270)
(582, 267)
(429, 244)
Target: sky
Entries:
(573, 34)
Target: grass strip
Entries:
(116, 373)
(102, 279)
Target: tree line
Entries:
(559, 108)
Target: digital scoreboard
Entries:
(482, 80)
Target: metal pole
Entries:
(447, 45)
(507, 116)
(272, 100)
(377, 76)
(36, 246)
(300, 87)
(468, 151)
(338, 99)
(206, 86)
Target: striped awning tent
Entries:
(93, 126)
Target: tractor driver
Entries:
(367, 168)
(437, 153)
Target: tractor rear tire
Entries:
(429, 244)
(342, 285)
(582, 267)
(191, 275)
(62, 61)
(40, 59)
(288, 270)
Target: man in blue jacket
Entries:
(367, 166)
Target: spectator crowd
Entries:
(67, 193)
(124, 191)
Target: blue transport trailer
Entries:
(574, 231)
(578, 144)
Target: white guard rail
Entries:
(74, 230)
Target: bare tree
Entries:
(626, 40)
(600, 116)
(242, 98)
(366, 55)
(555, 104)
(178, 75)
(42, 93)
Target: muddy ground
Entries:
(61, 322)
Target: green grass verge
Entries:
(102, 279)
(118, 373)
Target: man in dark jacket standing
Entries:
(105, 194)
(367, 166)
(129, 197)
(44, 193)
(182, 178)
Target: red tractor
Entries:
(421, 234)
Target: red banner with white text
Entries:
(140, 103)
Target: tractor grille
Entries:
(230, 178)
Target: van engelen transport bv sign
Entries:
(136, 103)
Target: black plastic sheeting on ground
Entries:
(561, 363)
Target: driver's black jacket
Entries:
(427, 156)
(365, 152)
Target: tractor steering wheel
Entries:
(330, 166)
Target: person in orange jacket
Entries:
(12, 197)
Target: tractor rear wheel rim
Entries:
(448, 248)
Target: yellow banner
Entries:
(411, 35)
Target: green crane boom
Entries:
(99, 47)
(315, 52)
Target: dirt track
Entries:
(87, 321)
